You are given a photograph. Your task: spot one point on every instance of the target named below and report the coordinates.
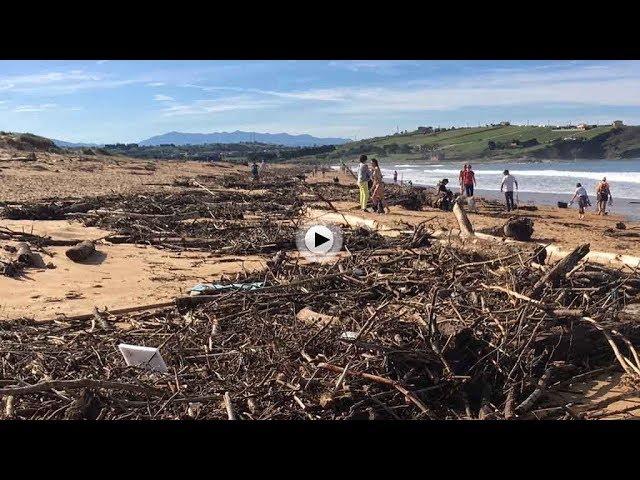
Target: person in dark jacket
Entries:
(445, 195)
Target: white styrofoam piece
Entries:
(349, 336)
(146, 357)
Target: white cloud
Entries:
(35, 108)
(384, 67)
(163, 98)
(616, 85)
(51, 83)
(156, 84)
(203, 107)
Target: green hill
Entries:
(502, 142)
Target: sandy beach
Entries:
(126, 276)
(132, 275)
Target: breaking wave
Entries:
(628, 177)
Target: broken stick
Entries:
(560, 269)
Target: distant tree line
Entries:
(245, 151)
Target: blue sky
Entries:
(106, 101)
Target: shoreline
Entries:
(627, 208)
(621, 206)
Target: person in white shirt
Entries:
(507, 187)
(363, 182)
(583, 200)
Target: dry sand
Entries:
(118, 276)
(60, 176)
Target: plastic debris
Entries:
(204, 287)
(145, 357)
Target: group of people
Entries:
(509, 186)
(467, 181)
(371, 185)
(603, 195)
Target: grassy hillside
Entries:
(509, 142)
(27, 142)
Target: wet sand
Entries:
(621, 206)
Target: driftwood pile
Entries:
(252, 217)
(413, 333)
(403, 328)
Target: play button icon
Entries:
(319, 241)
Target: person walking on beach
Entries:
(603, 193)
(583, 200)
(377, 194)
(363, 182)
(254, 171)
(507, 185)
(467, 181)
(395, 176)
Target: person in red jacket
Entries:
(467, 181)
(464, 168)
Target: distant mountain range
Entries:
(179, 138)
(63, 144)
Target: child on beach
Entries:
(583, 200)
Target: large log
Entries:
(520, 228)
(560, 269)
(81, 251)
(554, 252)
(465, 225)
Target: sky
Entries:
(107, 101)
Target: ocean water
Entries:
(556, 177)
